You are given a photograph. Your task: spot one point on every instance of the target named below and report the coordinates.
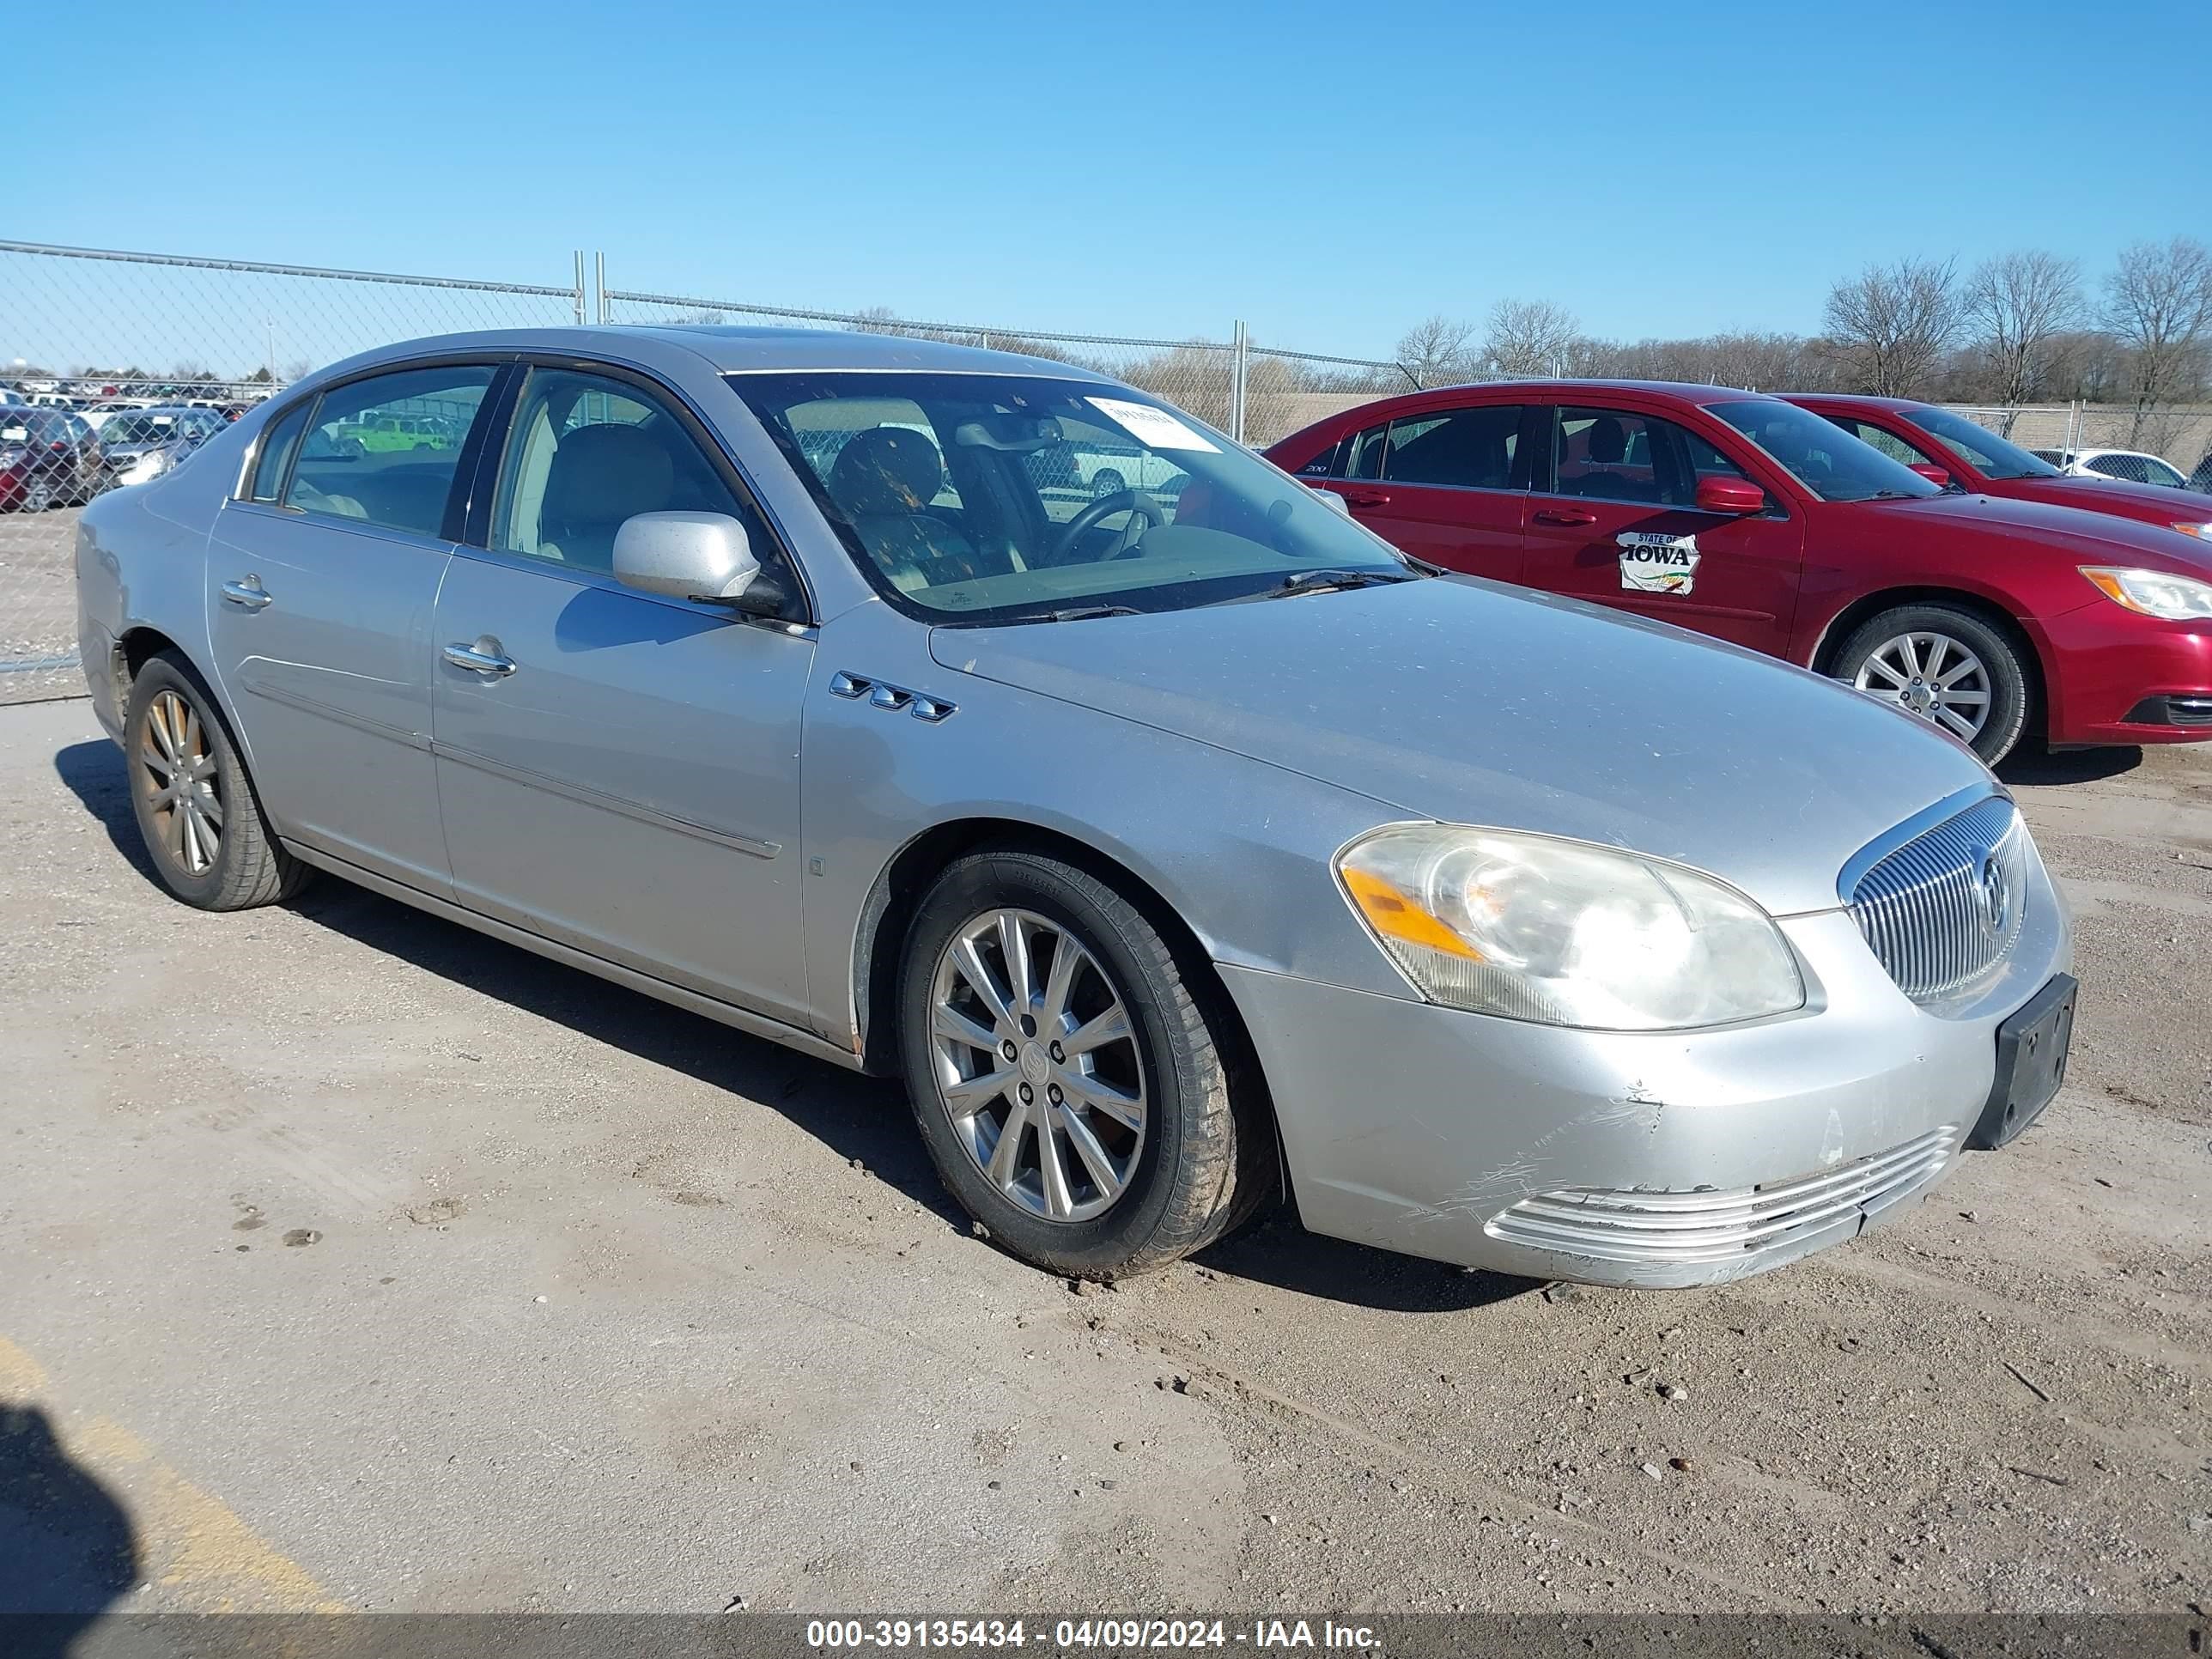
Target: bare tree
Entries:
(1889, 324)
(2159, 302)
(1529, 337)
(2015, 305)
(1437, 350)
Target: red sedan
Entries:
(1950, 448)
(1755, 520)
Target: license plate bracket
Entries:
(2031, 1053)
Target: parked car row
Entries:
(1181, 848)
(2129, 466)
(1891, 544)
(57, 458)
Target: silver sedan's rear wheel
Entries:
(1037, 1068)
(1954, 668)
(183, 785)
(196, 807)
(1071, 1070)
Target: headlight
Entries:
(2154, 592)
(1565, 934)
(152, 465)
(2190, 527)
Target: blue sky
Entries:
(1329, 173)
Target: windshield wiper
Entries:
(1075, 613)
(1328, 581)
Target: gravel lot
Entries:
(38, 604)
(366, 1263)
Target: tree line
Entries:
(2021, 327)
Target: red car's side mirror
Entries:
(1737, 497)
(1933, 473)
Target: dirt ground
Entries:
(38, 605)
(352, 1260)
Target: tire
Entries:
(1106, 483)
(37, 495)
(1194, 1164)
(246, 867)
(1882, 651)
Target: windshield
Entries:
(138, 429)
(996, 498)
(1827, 460)
(1982, 447)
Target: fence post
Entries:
(601, 282)
(1239, 375)
(579, 288)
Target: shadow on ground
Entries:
(856, 1117)
(1280, 1252)
(67, 1549)
(2032, 764)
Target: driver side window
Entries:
(586, 451)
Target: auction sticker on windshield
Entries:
(1652, 561)
(1153, 426)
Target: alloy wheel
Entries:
(1934, 676)
(1036, 1064)
(178, 770)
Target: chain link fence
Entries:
(125, 363)
(114, 365)
(2178, 433)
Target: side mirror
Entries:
(1935, 474)
(705, 557)
(1738, 498)
(1331, 501)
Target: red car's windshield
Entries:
(1821, 456)
(1982, 447)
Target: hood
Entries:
(2152, 503)
(2072, 532)
(1465, 700)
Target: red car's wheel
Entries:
(1947, 665)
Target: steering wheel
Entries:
(1132, 501)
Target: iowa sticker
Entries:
(1654, 562)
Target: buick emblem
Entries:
(1997, 894)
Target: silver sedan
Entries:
(1180, 852)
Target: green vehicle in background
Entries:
(384, 435)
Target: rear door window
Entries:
(1462, 448)
(356, 461)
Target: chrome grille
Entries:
(1945, 908)
(1686, 1228)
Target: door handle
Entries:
(483, 657)
(1565, 515)
(1366, 498)
(246, 593)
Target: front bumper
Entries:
(2118, 678)
(1660, 1159)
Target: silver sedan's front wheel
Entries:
(1037, 1068)
(1070, 1069)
